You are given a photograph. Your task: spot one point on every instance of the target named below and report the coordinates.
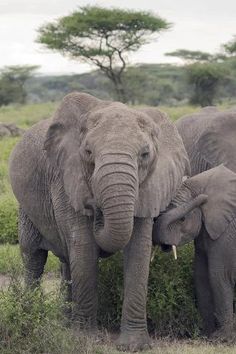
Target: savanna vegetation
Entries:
(33, 321)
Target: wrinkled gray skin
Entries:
(90, 180)
(209, 138)
(210, 223)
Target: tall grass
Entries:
(26, 115)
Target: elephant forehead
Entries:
(116, 114)
(125, 131)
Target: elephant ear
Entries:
(218, 144)
(62, 143)
(219, 184)
(160, 186)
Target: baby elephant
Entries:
(204, 210)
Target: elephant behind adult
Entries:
(209, 138)
(124, 165)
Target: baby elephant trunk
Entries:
(162, 226)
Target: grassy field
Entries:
(32, 322)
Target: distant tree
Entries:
(205, 79)
(230, 47)
(102, 37)
(204, 71)
(191, 55)
(12, 83)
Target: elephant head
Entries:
(208, 198)
(120, 161)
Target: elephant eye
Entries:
(145, 155)
(182, 219)
(88, 152)
(145, 152)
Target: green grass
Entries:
(26, 115)
(10, 258)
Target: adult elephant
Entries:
(123, 164)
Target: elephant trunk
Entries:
(116, 188)
(163, 223)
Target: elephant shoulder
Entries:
(191, 126)
(217, 144)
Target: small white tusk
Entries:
(174, 251)
(153, 254)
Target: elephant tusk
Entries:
(174, 251)
(153, 254)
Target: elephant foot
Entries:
(223, 335)
(92, 332)
(207, 331)
(85, 327)
(133, 341)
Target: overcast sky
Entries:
(197, 25)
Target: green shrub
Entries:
(8, 219)
(170, 307)
(10, 260)
(26, 115)
(31, 322)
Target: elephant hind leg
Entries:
(34, 258)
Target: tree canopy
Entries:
(191, 55)
(102, 37)
(205, 78)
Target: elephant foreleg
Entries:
(66, 288)
(34, 258)
(203, 292)
(223, 294)
(134, 335)
(84, 268)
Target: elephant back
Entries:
(191, 127)
(209, 138)
(27, 167)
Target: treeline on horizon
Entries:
(148, 84)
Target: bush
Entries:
(8, 219)
(10, 260)
(31, 322)
(170, 307)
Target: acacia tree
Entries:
(12, 83)
(191, 55)
(205, 79)
(204, 73)
(102, 37)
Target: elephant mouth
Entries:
(166, 248)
